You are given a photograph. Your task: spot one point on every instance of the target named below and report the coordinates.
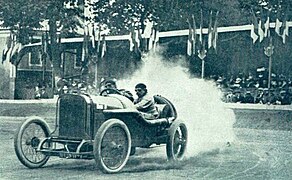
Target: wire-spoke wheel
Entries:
(112, 146)
(27, 139)
(177, 141)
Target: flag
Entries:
(267, 24)
(254, 27)
(103, 48)
(261, 26)
(260, 31)
(278, 26)
(93, 36)
(210, 31)
(98, 40)
(201, 29)
(85, 45)
(215, 32)
(284, 31)
(151, 40)
(7, 48)
(131, 41)
(139, 38)
(278, 23)
(194, 34)
(190, 40)
(202, 52)
(44, 50)
(15, 51)
(11, 50)
(45, 43)
(156, 39)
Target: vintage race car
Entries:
(106, 128)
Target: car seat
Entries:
(164, 107)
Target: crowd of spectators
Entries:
(255, 89)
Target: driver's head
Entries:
(140, 89)
(110, 84)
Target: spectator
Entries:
(284, 98)
(259, 96)
(237, 96)
(248, 98)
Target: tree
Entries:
(23, 19)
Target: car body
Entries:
(106, 128)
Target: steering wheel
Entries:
(109, 91)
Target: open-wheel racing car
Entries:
(106, 128)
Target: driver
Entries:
(145, 103)
(111, 87)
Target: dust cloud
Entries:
(197, 101)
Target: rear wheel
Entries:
(112, 146)
(27, 139)
(177, 141)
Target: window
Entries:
(70, 56)
(34, 58)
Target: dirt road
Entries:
(256, 154)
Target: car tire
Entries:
(112, 146)
(27, 139)
(176, 141)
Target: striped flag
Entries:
(98, 41)
(215, 32)
(15, 51)
(8, 47)
(151, 39)
(261, 31)
(156, 40)
(284, 30)
(84, 57)
(14, 46)
(254, 27)
(261, 26)
(201, 29)
(278, 26)
(93, 36)
(103, 48)
(190, 40)
(194, 35)
(210, 31)
(267, 24)
(278, 23)
(131, 40)
(139, 38)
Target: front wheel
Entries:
(112, 146)
(27, 139)
(176, 141)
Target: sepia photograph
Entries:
(146, 89)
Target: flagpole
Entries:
(270, 72)
(203, 69)
(268, 52)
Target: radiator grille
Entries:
(72, 116)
